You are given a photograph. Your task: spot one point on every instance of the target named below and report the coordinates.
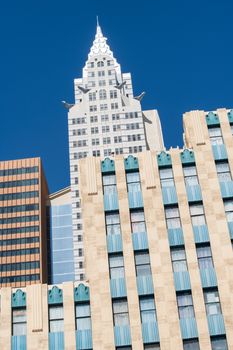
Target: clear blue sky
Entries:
(179, 52)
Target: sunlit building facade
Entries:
(106, 119)
(23, 237)
(158, 253)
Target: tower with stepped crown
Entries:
(106, 120)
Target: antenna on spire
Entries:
(97, 21)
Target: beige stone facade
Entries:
(182, 260)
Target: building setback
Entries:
(23, 248)
(158, 253)
(107, 118)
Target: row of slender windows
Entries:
(17, 252)
(17, 219)
(17, 183)
(15, 230)
(27, 265)
(19, 208)
(56, 318)
(19, 195)
(25, 240)
(19, 171)
(17, 278)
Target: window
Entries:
(133, 182)
(223, 171)
(120, 312)
(228, 204)
(101, 73)
(106, 140)
(192, 344)
(105, 128)
(117, 139)
(151, 347)
(109, 183)
(179, 262)
(190, 175)
(113, 94)
(116, 266)
(172, 217)
(96, 153)
(109, 63)
(147, 309)
(80, 252)
(94, 119)
(166, 177)
(94, 130)
(102, 94)
(116, 116)
(231, 128)
(19, 321)
(142, 263)
(91, 74)
(113, 224)
(114, 105)
(95, 142)
(197, 214)
(93, 108)
(104, 118)
(185, 305)
(56, 319)
(212, 302)
(92, 96)
(137, 221)
(83, 316)
(102, 83)
(215, 135)
(204, 257)
(107, 152)
(116, 127)
(103, 107)
(219, 343)
(100, 64)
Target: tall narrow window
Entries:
(172, 217)
(228, 204)
(133, 182)
(147, 309)
(19, 321)
(223, 171)
(204, 257)
(102, 94)
(113, 224)
(215, 135)
(197, 214)
(109, 183)
(212, 302)
(120, 312)
(192, 344)
(116, 266)
(83, 316)
(56, 319)
(166, 177)
(179, 262)
(190, 175)
(138, 221)
(142, 262)
(185, 305)
(219, 343)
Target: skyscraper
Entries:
(106, 119)
(23, 240)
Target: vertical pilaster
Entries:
(96, 259)
(130, 274)
(165, 296)
(69, 316)
(190, 249)
(5, 319)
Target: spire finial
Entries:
(97, 21)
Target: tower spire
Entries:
(97, 21)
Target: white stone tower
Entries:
(106, 120)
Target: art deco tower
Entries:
(106, 120)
